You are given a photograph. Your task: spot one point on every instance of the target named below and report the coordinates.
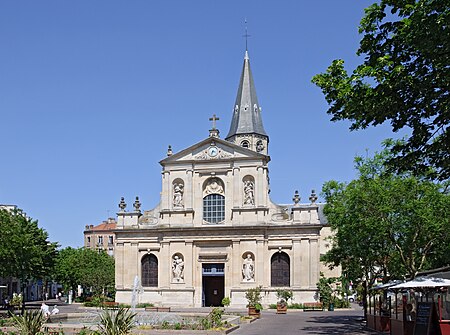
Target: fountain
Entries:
(91, 317)
(137, 290)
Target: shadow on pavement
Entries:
(336, 325)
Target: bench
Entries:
(110, 305)
(157, 309)
(312, 306)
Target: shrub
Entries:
(296, 306)
(226, 301)
(119, 322)
(165, 325)
(30, 323)
(6, 322)
(215, 317)
(258, 307)
(341, 303)
(84, 331)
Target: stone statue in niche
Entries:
(248, 269)
(214, 187)
(178, 268)
(249, 192)
(178, 190)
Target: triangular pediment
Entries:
(213, 149)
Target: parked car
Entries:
(352, 297)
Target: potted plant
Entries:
(253, 296)
(226, 301)
(283, 298)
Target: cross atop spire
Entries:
(246, 35)
(214, 132)
(214, 118)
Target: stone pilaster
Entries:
(188, 193)
(166, 191)
(237, 196)
(305, 263)
(296, 263)
(236, 263)
(131, 271)
(259, 198)
(260, 263)
(119, 264)
(189, 263)
(314, 259)
(164, 264)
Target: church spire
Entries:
(247, 122)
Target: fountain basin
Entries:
(72, 323)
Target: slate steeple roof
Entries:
(247, 112)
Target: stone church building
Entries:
(215, 232)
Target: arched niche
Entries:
(248, 190)
(178, 267)
(178, 193)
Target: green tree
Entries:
(325, 290)
(385, 225)
(98, 271)
(68, 268)
(86, 267)
(25, 250)
(404, 79)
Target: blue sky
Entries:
(93, 92)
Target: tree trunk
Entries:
(22, 283)
(364, 299)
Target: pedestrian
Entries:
(45, 310)
(55, 310)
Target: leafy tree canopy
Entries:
(404, 79)
(386, 225)
(86, 267)
(25, 251)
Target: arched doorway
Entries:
(149, 269)
(280, 270)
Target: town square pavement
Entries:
(338, 322)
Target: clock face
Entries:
(213, 151)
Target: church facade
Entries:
(215, 232)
